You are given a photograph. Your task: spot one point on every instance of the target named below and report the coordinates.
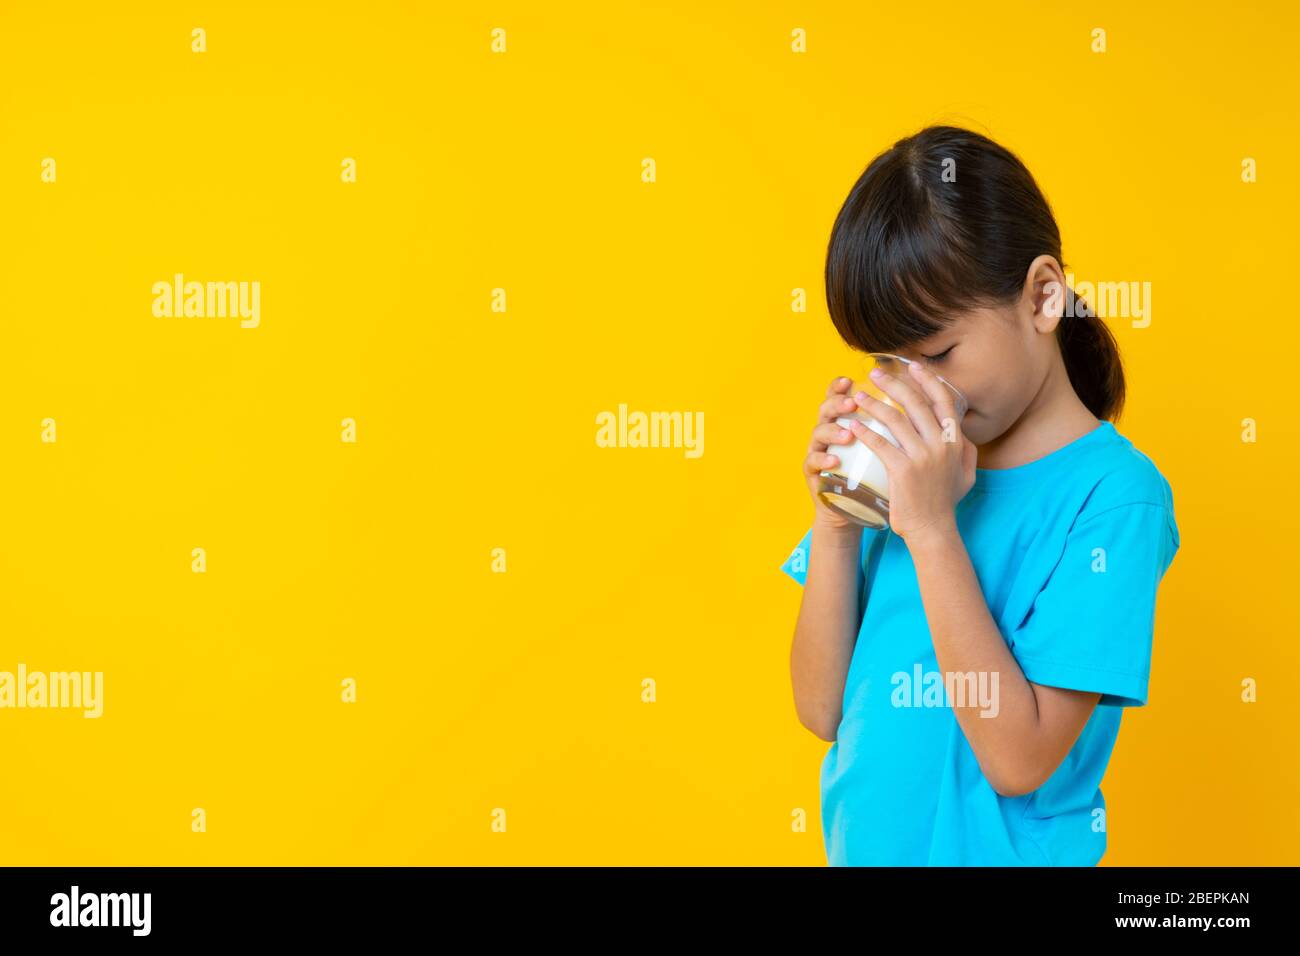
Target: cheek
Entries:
(992, 392)
(976, 393)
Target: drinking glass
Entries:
(858, 486)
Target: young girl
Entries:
(1029, 581)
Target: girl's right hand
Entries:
(839, 403)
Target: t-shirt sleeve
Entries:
(796, 565)
(1091, 625)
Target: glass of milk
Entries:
(858, 486)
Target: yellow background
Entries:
(476, 428)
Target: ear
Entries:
(1044, 293)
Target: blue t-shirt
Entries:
(1069, 551)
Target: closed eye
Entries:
(940, 357)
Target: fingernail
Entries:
(876, 373)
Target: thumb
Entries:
(969, 457)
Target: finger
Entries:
(819, 461)
(892, 418)
(829, 433)
(838, 386)
(969, 457)
(836, 407)
(909, 396)
(882, 446)
(942, 400)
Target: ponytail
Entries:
(1091, 357)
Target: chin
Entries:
(974, 428)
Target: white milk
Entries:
(859, 464)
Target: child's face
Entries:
(998, 358)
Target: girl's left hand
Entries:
(935, 466)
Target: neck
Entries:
(1053, 418)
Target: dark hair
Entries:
(911, 248)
